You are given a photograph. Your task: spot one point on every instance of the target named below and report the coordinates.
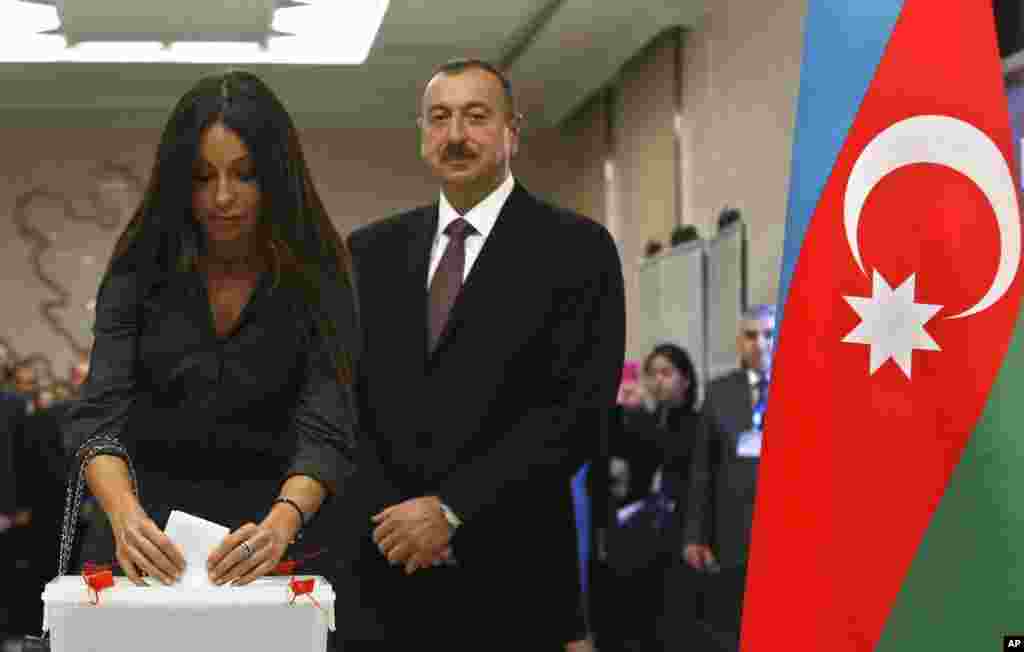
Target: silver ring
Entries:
(246, 548)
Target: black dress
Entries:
(213, 425)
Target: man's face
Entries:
(756, 343)
(24, 380)
(468, 136)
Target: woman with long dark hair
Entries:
(225, 343)
(643, 543)
(674, 385)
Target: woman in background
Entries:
(654, 439)
(674, 384)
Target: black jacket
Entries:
(497, 419)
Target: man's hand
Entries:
(699, 557)
(583, 645)
(22, 518)
(414, 533)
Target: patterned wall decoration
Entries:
(42, 365)
(61, 230)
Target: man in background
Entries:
(724, 475)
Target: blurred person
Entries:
(635, 442)
(40, 489)
(79, 370)
(43, 399)
(608, 485)
(25, 383)
(12, 424)
(644, 540)
(634, 398)
(6, 368)
(62, 391)
(724, 474)
(225, 346)
(634, 392)
(486, 380)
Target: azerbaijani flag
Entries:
(890, 508)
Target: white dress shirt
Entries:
(753, 377)
(482, 217)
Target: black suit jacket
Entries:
(508, 406)
(721, 497)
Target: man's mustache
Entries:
(456, 152)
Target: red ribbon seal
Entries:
(96, 581)
(303, 587)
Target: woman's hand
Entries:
(699, 557)
(142, 548)
(250, 552)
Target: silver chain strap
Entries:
(99, 445)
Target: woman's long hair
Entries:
(306, 250)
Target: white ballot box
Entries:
(260, 617)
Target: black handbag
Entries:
(99, 445)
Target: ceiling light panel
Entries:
(119, 20)
(189, 31)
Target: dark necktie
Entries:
(447, 281)
(762, 401)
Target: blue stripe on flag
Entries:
(843, 43)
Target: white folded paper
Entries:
(625, 512)
(197, 538)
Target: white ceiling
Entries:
(557, 52)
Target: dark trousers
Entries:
(437, 608)
(679, 623)
(723, 606)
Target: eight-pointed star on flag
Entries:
(891, 323)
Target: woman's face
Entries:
(225, 189)
(670, 385)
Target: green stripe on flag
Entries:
(965, 588)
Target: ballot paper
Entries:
(197, 538)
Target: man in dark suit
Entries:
(724, 475)
(494, 337)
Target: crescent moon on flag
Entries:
(955, 144)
